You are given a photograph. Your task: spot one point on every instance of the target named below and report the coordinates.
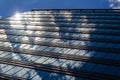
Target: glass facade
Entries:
(61, 45)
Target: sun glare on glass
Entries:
(17, 16)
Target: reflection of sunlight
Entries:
(15, 19)
(17, 16)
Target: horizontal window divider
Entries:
(115, 41)
(10, 77)
(62, 70)
(71, 46)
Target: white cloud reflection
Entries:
(115, 4)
